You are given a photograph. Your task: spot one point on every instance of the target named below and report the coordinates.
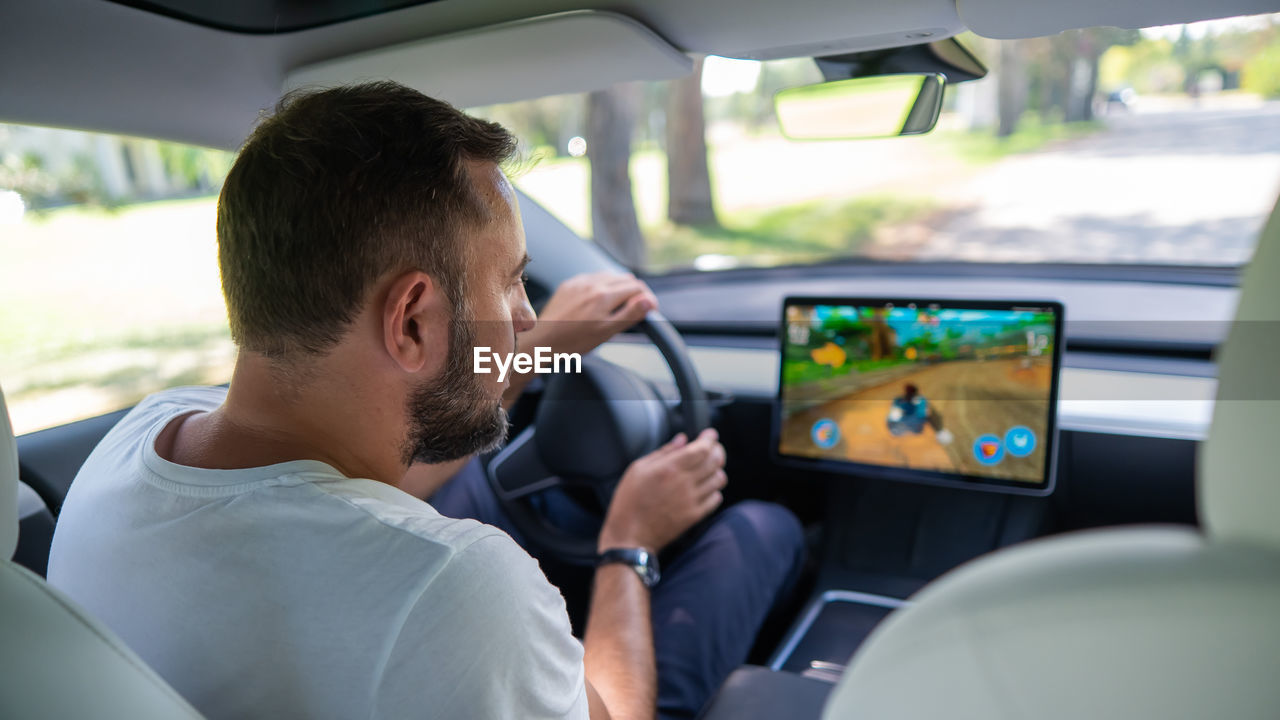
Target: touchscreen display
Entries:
(936, 390)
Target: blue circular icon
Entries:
(825, 433)
(1020, 441)
(988, 449)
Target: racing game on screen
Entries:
(954, 390)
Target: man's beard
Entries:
(451, 417)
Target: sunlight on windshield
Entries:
(1096, 146)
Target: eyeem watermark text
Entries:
(542, 361)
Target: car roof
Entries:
(109, 66)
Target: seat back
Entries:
(8, 484)
(35, 531)
(56, 661)
(1120, 623)
(1238, 492)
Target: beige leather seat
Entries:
(56, 661)
(1125, 623)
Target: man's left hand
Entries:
(587, 310)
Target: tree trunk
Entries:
(610, 120)
(1083, 79)
(1012, 87)
(1094, 65)
(689, 200)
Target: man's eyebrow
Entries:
(524, 263)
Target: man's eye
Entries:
(524, 278)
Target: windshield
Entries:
(1157, 146)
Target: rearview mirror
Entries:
(867, 107)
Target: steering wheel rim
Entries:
(522, 456)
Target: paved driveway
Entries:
(1173, 183)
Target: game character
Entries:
(910, 412)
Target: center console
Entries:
(902, 408)
(831, 628)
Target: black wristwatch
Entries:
(642, 561)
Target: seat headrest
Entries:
(8, 484)
(1239, 468)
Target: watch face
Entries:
(647, 566)
(649, 574)
(642, 561)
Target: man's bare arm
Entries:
(659, 497)
(619, 660)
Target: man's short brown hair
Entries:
(333, 191)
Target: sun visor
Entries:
(1006, 19)
(566, 52)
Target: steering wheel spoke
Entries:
(518, 471)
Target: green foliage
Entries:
(845, 326)
(79, 183)
(1261, 75)
(545, 122)
(196, 168)
(26, 176)
(1148, 66)
(1155, 65)
(806, 370)
(70, 172)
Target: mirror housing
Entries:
(907, 105)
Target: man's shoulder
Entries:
(489, 606)
(415, 523)
(472, 557)
(490, 609)
(123, 444)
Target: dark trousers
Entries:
(710, 602)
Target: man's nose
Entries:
(523, 318)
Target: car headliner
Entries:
(98, 65)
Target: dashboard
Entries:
(1165, 311)
(1138, 350)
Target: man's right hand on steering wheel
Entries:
(664, 493)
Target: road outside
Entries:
(1173, 182)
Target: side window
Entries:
(109, 284)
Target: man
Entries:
(254, 545)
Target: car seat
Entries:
(56, 661)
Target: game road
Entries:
(974, 397)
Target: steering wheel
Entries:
(588, 428)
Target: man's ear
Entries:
(414, 320)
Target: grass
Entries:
(982, 148)
(805, 232)
(100, 307)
